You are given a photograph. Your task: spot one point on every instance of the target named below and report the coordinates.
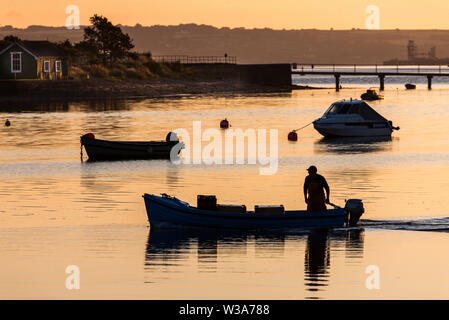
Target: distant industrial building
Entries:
(415, 57)
(413, 53)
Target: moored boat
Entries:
(371, 95)
(353, 118)
(410, 86)
(167, 210)
(98, 149)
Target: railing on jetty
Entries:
(196, 59)
(371, 68)
(381, 71)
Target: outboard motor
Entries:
(390, 124)
(171, 136)
(354, 210)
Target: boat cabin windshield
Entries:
(354, 107)
(344, 108)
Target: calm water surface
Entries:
(58, 211)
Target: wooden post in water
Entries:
(337, 82)
(429, 82)
(382, 82)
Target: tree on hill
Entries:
(8, 40)
(106, 40)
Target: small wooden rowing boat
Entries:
(121, 150)
(165, 211)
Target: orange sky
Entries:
(289, 14)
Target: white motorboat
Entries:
(353, 118)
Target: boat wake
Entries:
(434, 224)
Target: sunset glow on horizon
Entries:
(288, 14)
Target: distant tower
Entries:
(411, 50)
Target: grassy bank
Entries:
(140, 67)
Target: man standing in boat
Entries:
(314, 187)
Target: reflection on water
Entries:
(172, 177)
(45, 188)
(207, 254)
(317, 260)
(354, 243)
(42, 107)
(42, 148)
(103, 105)
(171, 247)
(354, 145)
(125, 262)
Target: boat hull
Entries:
(354, 130)
(121, 150)
(163, 211)
(368, 97)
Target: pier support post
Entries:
(337, 82)
(429, 82)
(382, 82)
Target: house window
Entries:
(46, 66)
(58, 66)
(16, 62)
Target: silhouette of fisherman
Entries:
(314, 187)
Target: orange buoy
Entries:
(292, 136)
(224, 124)
(88, 136)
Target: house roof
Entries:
(43, 49)
(38, 48)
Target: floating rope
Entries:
(302, 127)
(81, 151)
(293, 136)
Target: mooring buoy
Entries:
(292, 136)
(224, 124)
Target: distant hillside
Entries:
(265, 45)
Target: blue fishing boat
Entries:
(168, 211)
